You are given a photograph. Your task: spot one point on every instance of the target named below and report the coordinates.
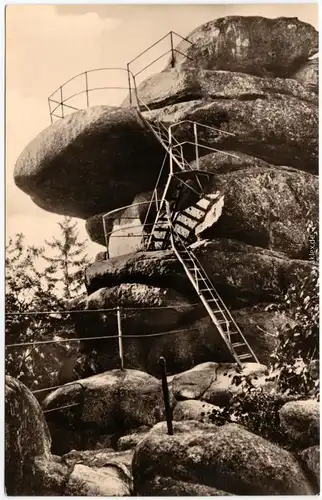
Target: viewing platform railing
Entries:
(94, 86)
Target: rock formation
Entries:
(253, 81)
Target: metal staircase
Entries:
(218, 312)
(173, 226)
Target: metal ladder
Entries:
(228, 329)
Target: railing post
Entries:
(170, 148)
(172, 50)
(120, 339)
(166, 398)
(195, 132)
(105, 233)
(86, 87)
(129, 83)
(61, 102)
(50, 113)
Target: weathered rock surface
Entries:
(280, 129)
(191, 341)
(214, 383)
(199, 341)
(26, 437)
(167, 486)
(111, 402)
(250, 44)
(311, 459)
(79, 166)
(32, 470)
(228, 458)
(222, 162)
(268, 208)
(300, 420)
(191, 409)
(262, 329)
(145, 310)
(180, 85)
(236, 269)
(100, 458)
(308, 75)
(130, 441)
(110, 480)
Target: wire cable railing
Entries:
(119, 335)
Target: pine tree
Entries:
(64, 272)
(27, 290)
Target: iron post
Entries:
(166, 398)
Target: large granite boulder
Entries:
(199, 341)
(214, 382)
(228, 458)
(144, 310)
(184, 84)
(100, 457)
(311, 460)
(250, 44)
(90, 162)
(269, 208)
(308, 75)
(109, 402)
(222, 162)
(31, 469)
(26, 436)
(280, 129)
(168, 487)
(300, 421)
(237, 270)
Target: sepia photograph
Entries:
(161, 250)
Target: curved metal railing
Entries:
(113, 214)
(63, 101)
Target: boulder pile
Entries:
(255, 79)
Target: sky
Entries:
(48, 44)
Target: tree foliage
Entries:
(64, 270)
(36, 282)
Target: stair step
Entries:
(192, 217)
(180, 223)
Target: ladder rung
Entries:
(238, 344)
(245, 356)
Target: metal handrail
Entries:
(90, 71)
(171, 33)
(111, 212)
(130, 74)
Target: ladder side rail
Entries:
(223, 305)
(210, 290)
(202, 298)
(162, 202)
(205, 303)
(155, 192)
